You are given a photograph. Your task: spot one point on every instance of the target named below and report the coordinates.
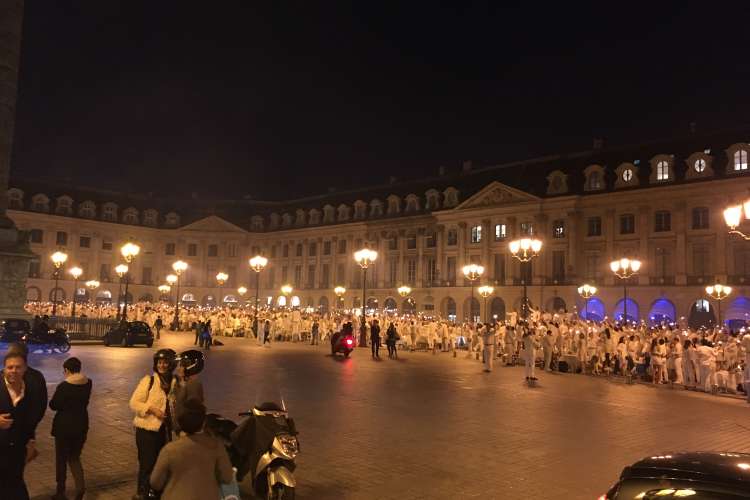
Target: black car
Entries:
(14, 330)
(694, 475)
(133, 332)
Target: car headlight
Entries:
(289, 445)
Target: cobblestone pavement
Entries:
(423, 426)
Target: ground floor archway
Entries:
(448, 308)
(33, 293)
(738, 313)
(497, 309)
(556, 305)
(57, 294)
(701, 314)
(472, 309)
(662, 311)
(389, 304)
(633, 312)
(409, 306)
(104, 296)
(323, 304)
(593, 309)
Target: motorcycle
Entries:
(56, 339)
(342, 343)
(262, 449)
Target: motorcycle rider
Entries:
(187, 385)
(152, 420)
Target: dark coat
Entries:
(70, 401)
(375, 333)
(22, 429)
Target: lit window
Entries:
(740, 160)
(500, 231)
(476, 234)
(702, 305)
(627, 174)
(699, 165)
(662, 171)
(558, 229)
(527, 229)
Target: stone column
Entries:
(644, 229)
(461, 258)
(15, 253)
(680, 256)
(543, 262)
(439, 242)
(418, 279)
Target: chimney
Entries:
(598, 143)
(441, 170)
(466, 166)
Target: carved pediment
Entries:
(213, 224)
(497, 194)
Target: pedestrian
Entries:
(267, 332)
(158, 324)
(314, 332)
(194, 466)
(745, 342)
(529, 351)
(152, 419)
(70, 426)
(187, 385)
(16, 431)
(375, 338)
(391, 337)
(547, 348)
(488, 341)
(197, 328)
(206, 335)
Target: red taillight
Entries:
(349, 341)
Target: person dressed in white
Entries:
(675, 355)
(488, 353)
(547, 348)
(745, 343)
(529, 353)
(659, 361)
(707, 360)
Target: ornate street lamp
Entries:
(242, 291)
(121, 270)
(718, 293)
(178, 267)
(164, 290)
(93, 285)
(58, 260)
(472, 272)
(129, 252)
(257, 264)
(624, 269)
(733, 217)
(404, 291)
(485, 291)
(339, 291)
(587, 291)
(524, 250)
(76, 272)
(221, 278)
(364, 258)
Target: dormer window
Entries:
(314, 217)
(64, 205)
(256, 223)
(451, 197)
(360, 209)
(109, 212)
(594, 175)
(700, 165)
(662, 171)
(557, 182)
(432, 198)
(172, 220)
(394, 205)
(329, 214)
(130, 216)
(376, 208)
(15, 199)
(286, 220)
(412, 203)
(301, 216)
(40, 203)
(87, 209)
(627, 174)
(150, 217)
(740, 160)
(343, 213)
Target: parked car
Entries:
(131, 333)
(699, 475)
(14, 330)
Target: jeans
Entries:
(68, 451)
(375, 348)
(149, 445)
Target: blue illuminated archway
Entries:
(738, 313)
(633, 310)
(662, 311)
(593, 309)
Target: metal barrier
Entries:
(82, 328)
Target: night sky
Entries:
(284, 99)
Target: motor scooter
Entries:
(342, 343)
(262, 448)
(56, 339)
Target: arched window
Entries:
(376, 208)
(87, 209)
(130, 215)
(662, 171)
(150, 217)
(172, 219)
(15, 198)
(109, 212)
(699, 165)
(740, 160)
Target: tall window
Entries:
(411, 271)
(592, 267)
(411, 241)
(311, 276)
(392, 271)
(451, 270)
(527, 229)
(298, 276)
(146, 276)
(232, 249)
(700, 218)
(500, 232)
(662, 221)
(62, 238)
(476, 234)
(169, 249)
(326, 248)
(342, 246)
(285, 251)
(431, 270)
(452, 237)
(594, 225)
(662, 264)
(325, 276)
(192, 249)
(312, 250)
(627, 224)
(393, 243)
(594, 181)
(213, 250)
(662, 171)
(558, 265)
(701, 264)
(36, 235)
(499, 270)
(35, 269)
(740, 160)
(104, 272)
(558, 229)
(298, 251)
(84, 241)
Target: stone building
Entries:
(661, 202)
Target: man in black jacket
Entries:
(36, 389)
(375, 338)
(70, 426)
(16, 430)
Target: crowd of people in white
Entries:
(708, 359)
